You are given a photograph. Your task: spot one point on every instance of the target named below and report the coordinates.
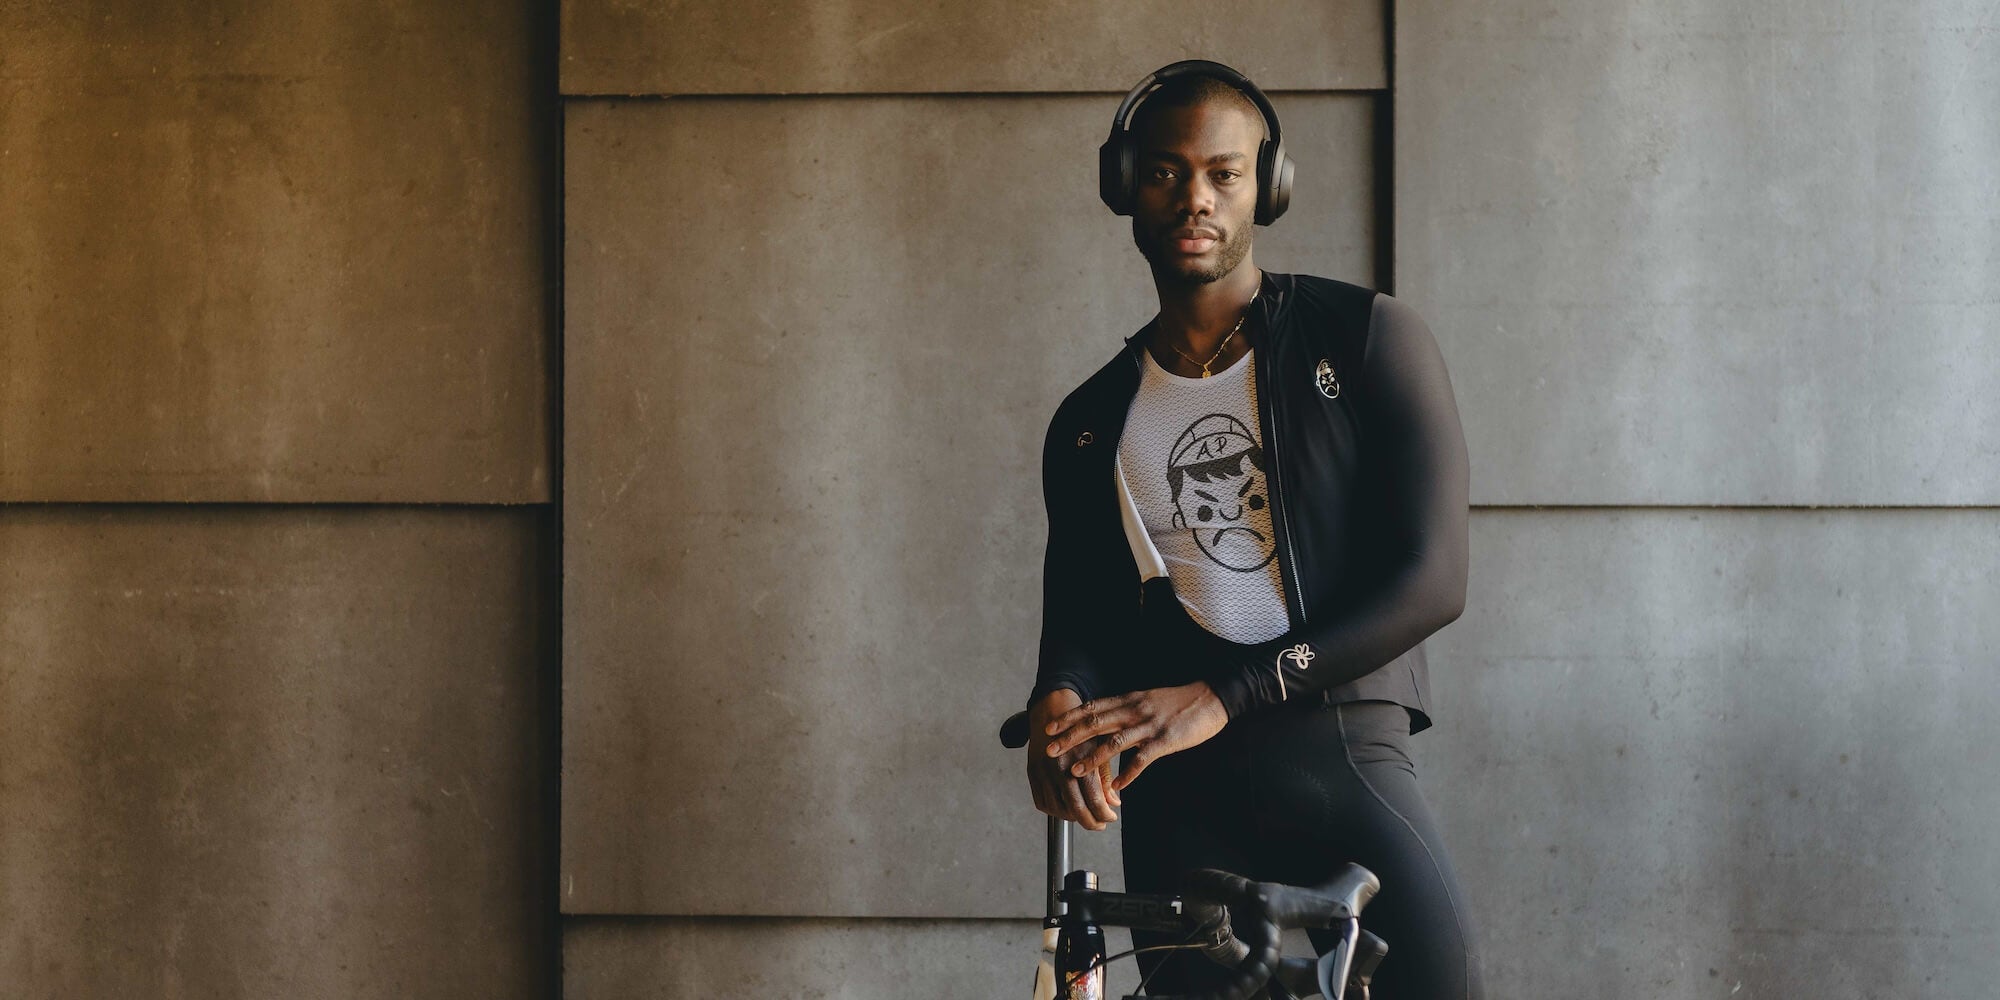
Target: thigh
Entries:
(1387, 826)
(1167, 827)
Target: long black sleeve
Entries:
(1416, 451)
(1063, 660)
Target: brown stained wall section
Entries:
(296, 255)
(269, 752)
(287, 252)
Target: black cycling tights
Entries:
(1289, 795)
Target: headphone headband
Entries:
(1196, 67)
(1117, 167)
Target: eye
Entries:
(1161, 173)
(1227, 175)
(1206, 513)
(1256, 501)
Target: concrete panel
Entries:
(812, 348)
(666, 958)
(1706, 252)
(290, 252)
(1742, 753)
(274, 752)
(900, 46)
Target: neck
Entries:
(1196, 318)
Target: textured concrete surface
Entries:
(292, 252)
(671, 958)
(1704, 252)
(1727, 753)
(805, 400)
(273, 752)
(667, 958)
(1679, 754)
(900, 46)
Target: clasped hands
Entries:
(1071, 744)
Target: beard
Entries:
(1170, 266)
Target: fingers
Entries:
(1078, 809)
(1109, 747)
(1092, 786)
(1090, 720)
(1039, 794)
(1089, 710)
(1086, 801)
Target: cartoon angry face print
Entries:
(1216, 479)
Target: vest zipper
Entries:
(1267, 405)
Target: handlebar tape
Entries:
(1014, 732)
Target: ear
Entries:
(1179, 522)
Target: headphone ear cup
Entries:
(1114, 174)
(1274, 181)
(1281, 192)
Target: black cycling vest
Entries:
(1369, 485)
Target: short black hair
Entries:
(1191, 91)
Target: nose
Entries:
(1196, 196)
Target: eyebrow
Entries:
(1161, 154)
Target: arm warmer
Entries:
(1416, 454)
(1063, 661)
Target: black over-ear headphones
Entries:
(1118, 173)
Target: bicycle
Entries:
(1208, 915)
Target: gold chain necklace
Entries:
(1219, 348)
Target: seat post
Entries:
(1059, 840)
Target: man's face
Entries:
(1197, 196)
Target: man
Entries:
(1256, 515)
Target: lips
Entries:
(1195, 240)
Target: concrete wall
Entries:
(277, 628)
(273, 751)
(1706, 252)
(1699, 268)
(813, 334)
(1703, 269)
(285, 252)
(1715, 282)
(906, 46)
(805, 413)
(1692, 750)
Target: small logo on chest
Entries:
(1329, 384)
